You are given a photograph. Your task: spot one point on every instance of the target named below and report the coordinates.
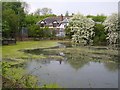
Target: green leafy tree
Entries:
(5, 31)
(98, 18)
(68, 32)
(10, 23)
(26, 7)
(41, 33)
(100, 35)
(13, 13)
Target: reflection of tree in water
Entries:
(77, 61)
(111, 66)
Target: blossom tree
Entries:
(111, 27)
(82, 28)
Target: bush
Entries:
(82, 29)
(100, 35)
(68, 33)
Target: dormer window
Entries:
(42, 23)
(55, 23)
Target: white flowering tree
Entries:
(111, 27)
(82, 28)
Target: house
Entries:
(57, 23)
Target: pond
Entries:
(74, 72)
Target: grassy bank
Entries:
(13, 58)
(14, 51)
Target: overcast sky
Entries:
(85, 7)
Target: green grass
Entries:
(51, 86)
(13, 51)
(13, 55)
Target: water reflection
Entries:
(69, 74)
(77, 70)
(77, 62)
(111, 66)
(60, 61)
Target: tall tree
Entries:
(13, 13)
(37, 12)
(10, 23)
(67, 13)
(46, 11)
(26, 7)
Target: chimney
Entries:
(61, 17)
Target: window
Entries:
(42, 24)
(55, 23)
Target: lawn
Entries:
(14, 51)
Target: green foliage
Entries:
(98, 18)
(17, 76)
(12, 18)
(6, 29)
(100, 35)
(51, 86)
(15, 17)
(10, 23)
(0, 68)
(68, 32)
(5, 67)
(35, 30)
(42, 32)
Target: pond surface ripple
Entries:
(70, 74)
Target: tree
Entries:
(25, 6)
(31, 21)
(9, 24)
(82, 27)
(111, 27)
(46, 11)
(68, 32)
(98, 18)
(6, 29)
(100, 35)
(37, 12)
(13, 13)
(37, 32)
(67, 13)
